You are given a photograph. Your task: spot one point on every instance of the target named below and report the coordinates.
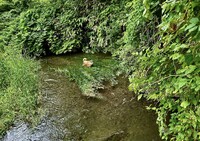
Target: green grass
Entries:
(18, 89)
(91, 79)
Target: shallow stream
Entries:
(69, 116)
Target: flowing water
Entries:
(69, 116)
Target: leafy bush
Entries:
(53, 27)
(157, 43)
(106, 27)
(168, 70)
(65, 26)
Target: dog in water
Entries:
(87, 63)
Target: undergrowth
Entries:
(18, 89)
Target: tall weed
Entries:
(19, 89)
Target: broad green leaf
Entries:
(198, 111)
(176, 56)
(185, 104)
(139, 96)
(153, 96)
(194, 20)
(181, 82)
(190, 69)
(190, 26)
(180, 46)
(146, 3)
(193, 28)
(194, 101)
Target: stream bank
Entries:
(70, 116)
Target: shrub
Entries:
(168, 71)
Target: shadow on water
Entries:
(69, 116)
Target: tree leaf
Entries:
(139, 96)
(175, 56)
(181, 82)
(185, 104)
(190, 26)
(193, 29)
(190, 69)
(194, 20)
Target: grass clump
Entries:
(18, 89)
(91, 79)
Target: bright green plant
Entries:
(18, 88)
(168, 71)
(106, 27)
(54, 27)
(64, 26)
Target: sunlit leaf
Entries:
(190, 69)
(185, 104)
(194, 20)
(190, 26)
(139, 96)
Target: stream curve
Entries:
(69, 116)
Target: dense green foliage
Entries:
(67, 26)
(168, 67)
(18, 77)
(18, 88)
(157, 43)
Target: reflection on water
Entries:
(69, 116)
